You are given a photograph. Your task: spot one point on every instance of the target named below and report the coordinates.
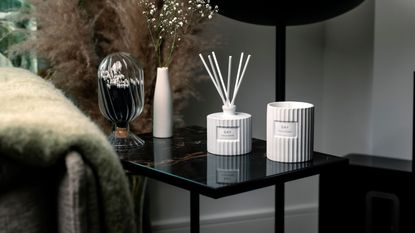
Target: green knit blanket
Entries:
(39, 125)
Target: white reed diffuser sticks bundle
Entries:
(215, 75)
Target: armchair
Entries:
(58, 173)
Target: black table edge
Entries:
(238, 187)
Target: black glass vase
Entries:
(121, 97)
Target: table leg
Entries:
(194, 212)
(279, 208)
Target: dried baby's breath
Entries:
(170, 20)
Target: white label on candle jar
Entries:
(227, 133)
(227, 176)
(285, 129)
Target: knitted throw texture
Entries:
(39, 125)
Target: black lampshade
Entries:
(284, 12)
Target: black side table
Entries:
(182, 161)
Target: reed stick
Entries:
(235, 92)
(228, 87)
(212, 78)
(237, 76)
(221, 78)
(216, 77)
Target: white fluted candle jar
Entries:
(290, 131)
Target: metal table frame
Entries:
(322, 164)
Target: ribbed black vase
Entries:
(121, 97)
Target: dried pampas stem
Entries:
(74, 36)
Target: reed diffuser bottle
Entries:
(228, 132)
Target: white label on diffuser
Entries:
(227, 176)
(285, 129)
(227, 133)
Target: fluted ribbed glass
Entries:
(121, 96)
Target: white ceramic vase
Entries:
(162, 105)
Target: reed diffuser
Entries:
(228, 132)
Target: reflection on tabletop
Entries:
(224, 169)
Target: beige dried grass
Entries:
(74, 36)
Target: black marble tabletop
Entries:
(183, 161)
